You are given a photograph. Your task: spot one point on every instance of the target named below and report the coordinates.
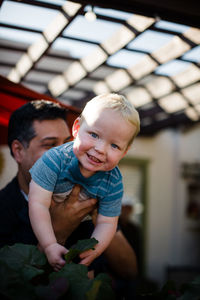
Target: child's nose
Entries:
(100, 147)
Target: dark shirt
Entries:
(15, 225)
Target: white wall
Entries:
(9, 166)
(167, 240)
(188, 234)
(161, 152)
(168, 243)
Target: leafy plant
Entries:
(79, 247)
(26, 274)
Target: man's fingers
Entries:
(53, 203)
(84, 206)
(85, 261)
(73, 197)
(87, 206)
(87, 203)
(94, 216)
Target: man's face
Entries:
(49, 133)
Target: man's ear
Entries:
(76, 127)
(17, 150)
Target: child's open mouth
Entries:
(94, 159)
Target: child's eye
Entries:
(94, 135)
(114, 146)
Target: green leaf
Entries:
(54, 290)
(13, 286)
(105, 290)
(20, 255)
(84, 245)
(19, 264)
(25, 260)
(70, 271)
(104, 277)
(79, 283)
(71, 254)
(25, 274)
(79, 247)
(93, 291)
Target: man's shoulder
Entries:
(10, 191)
(9, 186)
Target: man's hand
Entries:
(66, 216)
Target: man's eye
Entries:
(94, 135)
(114, 146)
(48, 146)
(68, 139)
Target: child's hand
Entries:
(54, 253)
(88, 256)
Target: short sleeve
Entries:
(110, 205)
(46, 169)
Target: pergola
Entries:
(152, 61)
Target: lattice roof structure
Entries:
(129, 48)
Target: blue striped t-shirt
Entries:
(58, 170)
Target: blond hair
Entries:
(118, 103)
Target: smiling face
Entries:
(101, 141)
(48, 134)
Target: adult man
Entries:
(33, 129)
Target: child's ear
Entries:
(126, 150)
(76, 127)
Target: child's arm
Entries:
(104, 232)
(39, 204)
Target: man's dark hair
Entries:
(21, 122)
